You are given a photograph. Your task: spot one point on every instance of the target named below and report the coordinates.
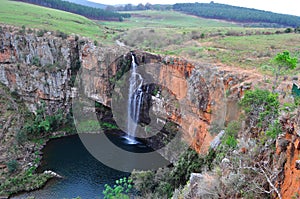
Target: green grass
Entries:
(255, 50)
(32, 16)
(164, 32)
(166, 19)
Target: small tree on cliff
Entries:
(283, 62)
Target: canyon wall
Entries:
(42, 68)
(201, 97)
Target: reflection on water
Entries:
(83, 175)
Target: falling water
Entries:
(135, 98)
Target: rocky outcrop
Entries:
(193, 96)
(37, 68)
(42, 68)
(197, 97)
(288, 149)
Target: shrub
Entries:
(120, 190)
(143, 181)
(274, 129)
(230, 141)
(21, 137)
(12, 166)
(288, 30)
(40, 33)
(61, 34)
(36, 61)
(262, 107)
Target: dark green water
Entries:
(83, 175)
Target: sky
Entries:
(278, 6)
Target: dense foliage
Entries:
(147, 6)
(40, 125)
(234, 13)
(163, 182)
(88, 3)
(89, 12)
(120, 190)
(262, 107)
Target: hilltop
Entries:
(237, 14)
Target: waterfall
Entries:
(135, 99)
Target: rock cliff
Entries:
(200, 97)
(42, 68)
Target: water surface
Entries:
(83, 175)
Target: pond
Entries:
(83, 175)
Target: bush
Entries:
(143, 181)
(231, 133)
(40, 33)
(61, 34)
(120, 190)
(274, 129)
(261, 106)
(21, 137)
(36, 61)
(288, 30)
(12, 166)
(230, 141)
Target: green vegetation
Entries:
(36, 17)
(283, 61)
(40, 125)
(262, 106)
(140, 6)
(12, 166)
(163, 182)
(234, 13)
(203, 40)
(120, 190)
(166, 20)
(274, 129)
(90, 12)
(23, 182)
(231, 133)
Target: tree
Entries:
(283, 61)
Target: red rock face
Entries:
(290, 186)
(5, 56)
(194, 122)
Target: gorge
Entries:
(199, 98)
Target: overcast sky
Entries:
(279, 6)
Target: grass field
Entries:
(204, 40)
(32, 16)
(166, 19)
(164, 32)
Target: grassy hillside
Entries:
(151, 30)
(166, 19)
(165, 32)
(19, 14)
(234, 13)
(205, 40)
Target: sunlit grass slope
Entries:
(32, 16)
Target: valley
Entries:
(209, 100)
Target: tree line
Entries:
(235, 13)
(147, 6)
(89, 12)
